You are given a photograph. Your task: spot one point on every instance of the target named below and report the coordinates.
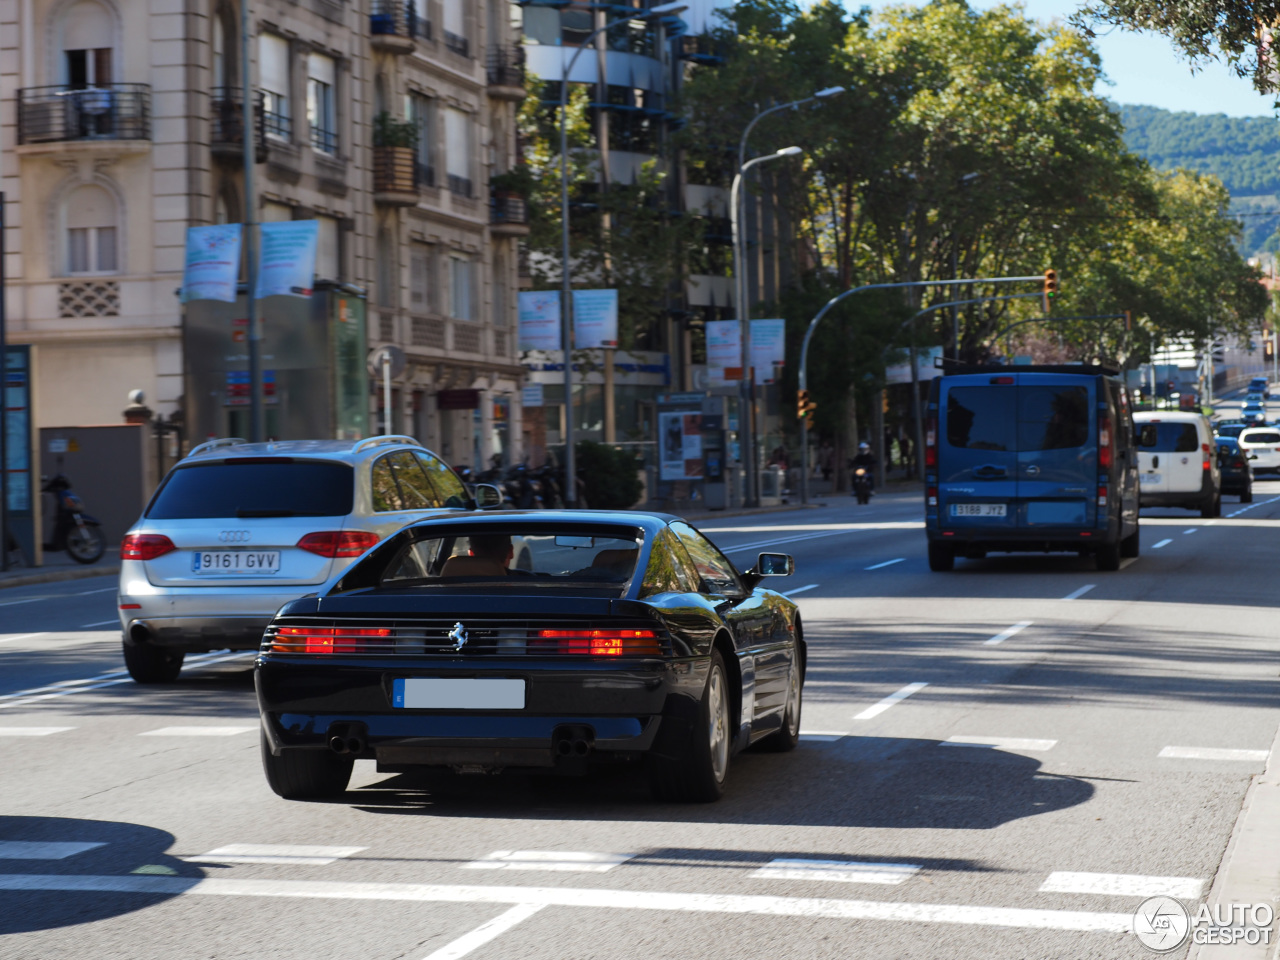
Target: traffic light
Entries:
(1050, 287)
(805, 406)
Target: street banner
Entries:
(768, 348)
(680, 445)
(288, 262)
(213, 263)
(595, 319)
(539, 319)
(724, 352)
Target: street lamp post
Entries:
(746, 428)
(566, 287)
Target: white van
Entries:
(1177, 463)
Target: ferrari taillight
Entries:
(330, 639)
(597, 643)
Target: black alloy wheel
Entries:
(148, 664)
(699, 768)
(787, 737)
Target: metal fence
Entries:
(111, 111)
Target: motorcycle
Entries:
(74, 530)
(862, 484)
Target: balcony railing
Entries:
(226, 121)
(325, 141)
(506, 65)
(459, 45)
(398, 18)
(504, 210)
(111, 111)
(461, 186)
(277, 124)
(424, 175)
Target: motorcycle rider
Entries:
(866, 461)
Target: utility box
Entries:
(312, 358)
(715, 454)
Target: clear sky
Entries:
(1144, 68)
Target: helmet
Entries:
(864, 447)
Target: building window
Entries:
(91, 241)
(273, 74)
(457, 137)
(500, 298)
(87, 60)
(321, 77)
(455, 29)
(461, 287)
(421, 278)
(424, 169)
(329, 249)
(387, 293)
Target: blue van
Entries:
(1030, 458)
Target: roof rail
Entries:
(368, 442)
(214, 444)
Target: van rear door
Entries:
(1057, 451)
(977, 458)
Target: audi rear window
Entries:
(251, 487)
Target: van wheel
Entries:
(1247, 496)
(1108, 556)
(1130, 545)
(1212, 509)
(941, 557)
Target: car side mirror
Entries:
(775, 565)
(488, 497)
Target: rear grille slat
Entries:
(433, 638)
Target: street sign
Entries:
(392, 353)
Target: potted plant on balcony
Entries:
(393, 145)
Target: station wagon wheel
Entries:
(148, 664)
(694, 768)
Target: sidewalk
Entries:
(58, 567)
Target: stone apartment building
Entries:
(120, 126)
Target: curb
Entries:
(56, 576)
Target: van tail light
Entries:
(145, 546)
(596, 643)
(931, 442)
(1106, 451)
(338, 543)
(1102, 497)
(931, 496)
(1204, 452)
(331, 640)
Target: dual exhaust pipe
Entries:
(346, 739)
(345, 745)
(573, 740)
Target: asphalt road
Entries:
(998, 762)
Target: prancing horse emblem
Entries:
(459, 636)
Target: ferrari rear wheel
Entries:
(305, 774)
(699, 768)
(788, 736)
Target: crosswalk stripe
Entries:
(275, 853)
(839, 871)
(199, 731)
(557, 861)
(1123, 884)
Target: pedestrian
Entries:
(827, 459)
(888, 448)
(908, 454)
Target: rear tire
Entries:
(941, 557)
(1130, 545)
(305, 774)
(787, 737)
(1213, 508)
(1108, 556)
(1247, 495)
(699, 769)
(148, 664)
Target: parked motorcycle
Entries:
(74, 530)
(862, 484)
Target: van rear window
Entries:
(1174, 438)
(981, 418)
(240, 489)
(1052, 418)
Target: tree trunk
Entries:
(846, 442)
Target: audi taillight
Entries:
(145, 546)
(1105, 450)
(931, 442)
(597, 643)
(331, 639)
(338, 543)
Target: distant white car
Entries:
(1264, 444)
(1252, 411)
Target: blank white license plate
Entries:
(978, 509)
(1148, 478)
(430, 693)
(235, 561)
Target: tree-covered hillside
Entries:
(1243, 152)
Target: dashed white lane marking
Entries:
(21, 636)
(797, 539)
(39, 850)
(100, 623)
(1213, 753)
(66, 687)
(14, 603)
(887, 563)
(1001, 743)
(32, 731)
(578, 898)
(1123, 885)
(88, 593)
(1192, 530)
(1077, 594)
(839, 871)
(807, 586)
(819, 736)
(199, 731)
(1162, 543)
(275, 853)
(1260, 503)
(1004, 635)
(878, 708)
(486, 931)
(556, 861)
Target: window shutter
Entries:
(273, 64)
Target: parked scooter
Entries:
(74, 530)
